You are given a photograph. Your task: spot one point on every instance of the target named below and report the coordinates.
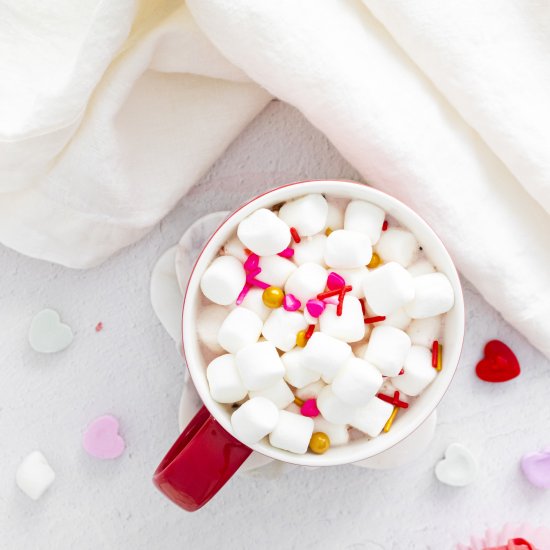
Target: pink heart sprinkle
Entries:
(309, 408)
(101, 438)
(315, 307)
(536, 468)
(291, 303)
(335, 281)
(251, 262)
(286, 253)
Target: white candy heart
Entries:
(47, 333)
(458, 468)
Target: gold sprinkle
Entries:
(298, 401)
(374, 261)
(439, 358)
(328, 231)
(387, 427)
(301, 339)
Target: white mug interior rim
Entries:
(405, 423)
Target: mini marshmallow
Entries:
(310, 320)
(423, 332)
(264, 233)
(223, 280)
(308, 214)
(350, 326)
(336, 210)
(354, 278)
(292, 432)
(209, 321)
(337, 433)
(325, 354)
(296, 374)
(254, 302)
(418, 372)
(224, 381)
(347, 249)
(259, 365)
(433, 295)
(388, 288)
(310, 250)
(333, 408)
(240, 328)
(364, 217)
(372, 417)
(311, 391)
(234, 247)
(275, 270)
(357, 382)
(398, 245)
(282, 326)
(398, 319)
(306, 282)
(421, 267)
(254, 419)
(279, 393)
(34, 475)
(387, 350)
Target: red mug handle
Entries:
(200, 462)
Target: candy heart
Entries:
(291, 303)
(536, 468)
(458, 468)
(47, 333)
(499, 363)
(309, 408)
(315, 307)
(101, 438)
(335, 281)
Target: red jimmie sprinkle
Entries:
(99, 327)
(435, 351)
(295, 235)
(385, 225)
(309, 331)
(363, 306)
(247, 251)
(334, 292)
(395, 401)
(370, 320)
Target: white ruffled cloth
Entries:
(110, 111)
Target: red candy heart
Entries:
(499, 363)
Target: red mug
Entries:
(207, 454)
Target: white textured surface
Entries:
(132, 370)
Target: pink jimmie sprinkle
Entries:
(335, 281)
(315, 307)
(251, 262)
(242, 294)
(309, 408)
(99, 327)
(286, 253)
(291, 303)
(252, 281)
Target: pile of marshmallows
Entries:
(291, 291)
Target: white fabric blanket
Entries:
(110, 111)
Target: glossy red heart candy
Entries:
(499, 363)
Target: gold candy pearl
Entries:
(273, 297)
(374, 261)
(301, 339)
(319, 443)
(328, 231)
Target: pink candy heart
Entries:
(309, 408)
(536, 468)
(315, 307)
(101, 438)
(335, 281)
(291, 303)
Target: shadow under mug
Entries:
(206, 454)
